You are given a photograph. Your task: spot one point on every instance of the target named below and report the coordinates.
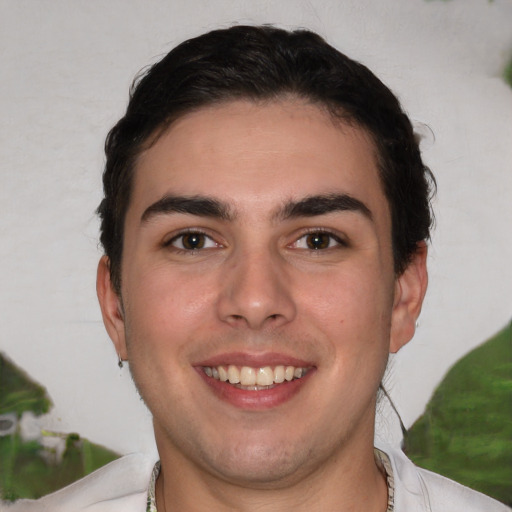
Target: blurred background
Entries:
(66, 68)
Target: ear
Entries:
(410, 288)
(111, 308)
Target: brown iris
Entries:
(193, 241)
(317, 241)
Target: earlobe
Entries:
(410, 289)
(111, 308)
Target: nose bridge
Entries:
(255, 290)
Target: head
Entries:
(261, 64)
(265, 212)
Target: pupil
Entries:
(193, 241)
(318, 241)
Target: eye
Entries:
(192, 241)
(318, 240)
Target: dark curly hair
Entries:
(266, 63)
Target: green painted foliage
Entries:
(507, 74)
(28, 469)
(25, 473)
(18, 393)
(466, 430)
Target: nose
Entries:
(256, 292)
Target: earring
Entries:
(119, 361)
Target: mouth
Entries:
(255, 382)
(250, 378)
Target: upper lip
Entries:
(254, 360)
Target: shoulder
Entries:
(419, 490)
(119, 486)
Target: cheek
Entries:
(352, 311)
(164, 309)
(349, 298)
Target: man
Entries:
(265, 222)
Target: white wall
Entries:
(66, 66)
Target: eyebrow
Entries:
(313, 206)
(310, 206)
(191, 205)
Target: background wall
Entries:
(66, 66)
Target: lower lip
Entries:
(255, 400)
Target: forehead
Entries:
(256, 155)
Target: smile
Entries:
(254, 379)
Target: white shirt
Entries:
(122, 486)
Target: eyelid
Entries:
(339, 238)
(168, 241)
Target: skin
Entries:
(256, 292)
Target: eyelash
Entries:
(182, 234)
(340, 242)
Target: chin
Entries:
(260, 466)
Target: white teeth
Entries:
(247, 376)
(223, 374)
(254, 378)
(279, 374)
(265, 376)
(233, 374)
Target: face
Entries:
(258, 302)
